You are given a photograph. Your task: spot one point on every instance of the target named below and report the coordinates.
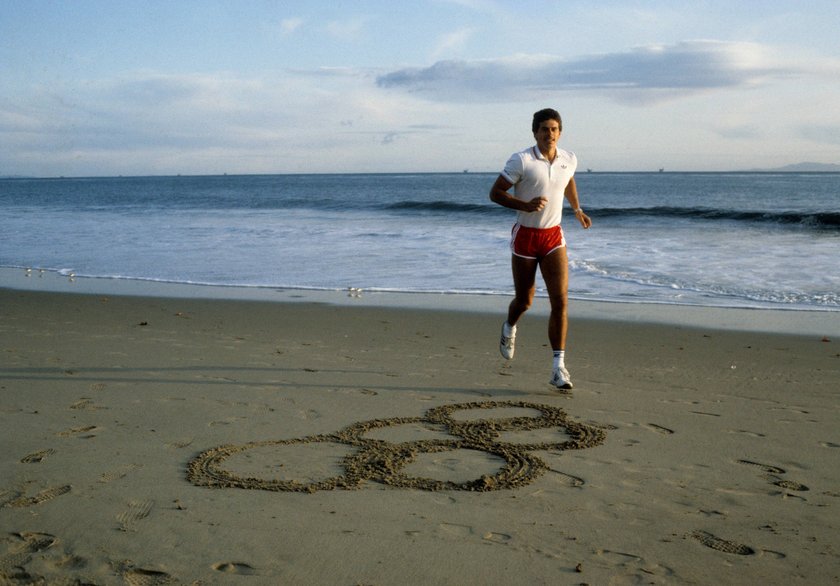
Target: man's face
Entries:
(547, 135)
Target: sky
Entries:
(104, 88)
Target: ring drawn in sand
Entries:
(383, 461)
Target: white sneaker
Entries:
(507, 344)
(560, 378)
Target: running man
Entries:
(541, 175)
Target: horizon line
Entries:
(463, 172)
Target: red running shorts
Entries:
(535, 243)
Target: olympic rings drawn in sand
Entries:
(382, 461)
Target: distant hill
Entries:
(805, 168)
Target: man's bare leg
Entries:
(524, 284)
(524, 278)
(555, 273)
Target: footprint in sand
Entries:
(118, 473)
(723, 545)
(227, 421)
(356, 391)
(34, 542)
(772, 472)
(12, 562)
(497, 537)
(86, 404)
(568, 479)
(465, 531)
(7, 496)
(82, 403)
(235, 568)
(765, 467)
(36, 457)
(43, 496)
(748, 432)
(459, 531)
(137, 511)
(791, 485)
(178, 444)
(141, 577)
(78, 431)
(659, 429)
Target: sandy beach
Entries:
(176, 440)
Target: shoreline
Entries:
(822, 323)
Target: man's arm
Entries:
(572, 197)
(499, 194)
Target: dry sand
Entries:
(192, 441)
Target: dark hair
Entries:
(543, 115)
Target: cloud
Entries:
(452, 41)
(472, 4)
(822, 133)
(152, 122)
(146, 111)
(642, 74)
(290, 25)
(390, 136)
(482, 6)
(159, 89)
(741, 132)
(348, 30)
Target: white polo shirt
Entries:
(533, 176)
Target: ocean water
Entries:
(729, 239)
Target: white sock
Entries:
(559, 359)
(510, 331)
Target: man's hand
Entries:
(584, 220)
(535, 205)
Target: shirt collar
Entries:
(541, 156)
